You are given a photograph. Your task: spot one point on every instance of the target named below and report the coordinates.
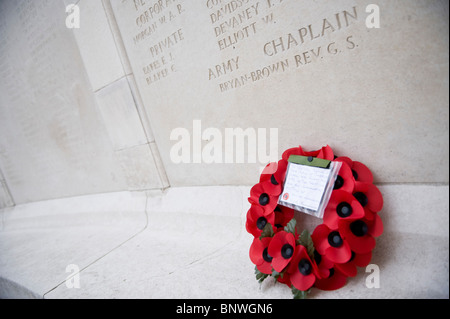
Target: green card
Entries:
(309, 160)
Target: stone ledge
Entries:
(191, 243)
(39, 240)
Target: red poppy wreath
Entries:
(343, 242)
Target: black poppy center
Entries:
(304, 266)
(335, 240)
(359, 228)
(266, 256)
(355, 175)
(352, 257)
(339, 182)
(331, 273)
(287, 251)
(263, 199)
(261, 222)
(344, 209)
(317, 257)
(273, 180)
(361, 198)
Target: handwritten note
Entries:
(304, 186)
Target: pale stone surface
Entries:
(379, 95)
(55, 130)
(118, 110)
(82, 113)
(5, 197)
(140, 108)
(117, 37)
(39, 240)
(52, 140)
(96, 44)
(58, 137)
(195, 246)
(139, 167)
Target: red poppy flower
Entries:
(257, 220)
(283, 215)
(376, 227)
(360, 172)
(286, 279)
(259, 196)
(268, 170)
(335, 280)
(331, 244)
(368, 196)
(342, 205)
(275, 169)
(281, 248)
(345, 180)
(342, 243)
(349, 268)
(273, 183)
(302, 269)
(259, 255)
(360, 233)
(325, 153)
(272, 189)
(370, 215)
(323, 263)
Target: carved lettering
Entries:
(224, 68)
(310, 32)
(167, 43)
(240, 35)
(153, 10)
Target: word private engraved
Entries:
(167, 42)
(157, 36)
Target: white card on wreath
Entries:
(304, 186)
